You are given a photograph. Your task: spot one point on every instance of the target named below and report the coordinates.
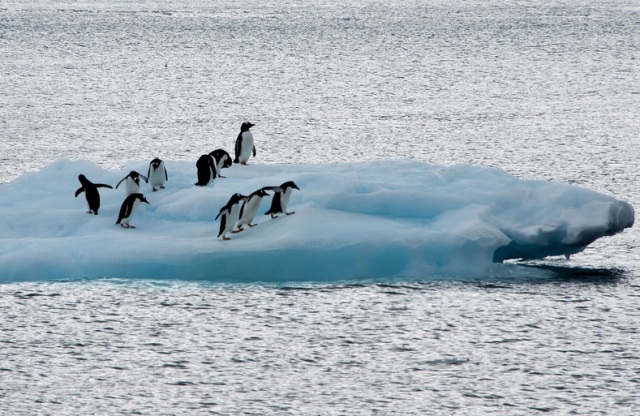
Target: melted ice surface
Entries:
(353, 220)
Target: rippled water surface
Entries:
(542, 89)
(114, 347)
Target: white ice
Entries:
(371, 220)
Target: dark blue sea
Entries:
(542, 89)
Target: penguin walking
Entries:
(132, 182)
(222, 160)
(206, 170)
(91, 193)
(157, 174)
(244, 144)
(281, 199)
(229, 215)
(250, 207)
(128, 208)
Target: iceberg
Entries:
(365, 220)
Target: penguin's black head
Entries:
(246, 126)
(155, 163)
(289, 184)
(236, 198)
(227, 161)
(141, 198)
(261, 192)
(83, 179)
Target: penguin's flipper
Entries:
(238, 148)
(272, 188)
(149, 170)
(276, 204)
(103, 185)
(166, 175)
(145, 178)
(122, 180)
(254, 151)
(223, 209)
(79, 191)
(223, 224)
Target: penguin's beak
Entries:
(251, 125)
(145, 200)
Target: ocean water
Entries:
(542, 89)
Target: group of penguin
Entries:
(232, 216)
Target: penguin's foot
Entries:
(153, 189)
(124, 225)
(225, 238)
(274, 216)
(238, 230)
(243, 163)
(290, 213)
(252, 225)
(162, 187)
(90, 212)
(220, 176)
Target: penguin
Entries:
(132, 181)
(91, 193)
(222, 160)
(281, 199)
(244, 144)
(251, 205)
(157, 174)
(129, 207)
(229, 215)
(206, 170)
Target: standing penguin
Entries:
(157, 174)
(128, 208)
(244, 144)
(222, 160)
(251, 206)
(132, 181)
(281, 199)
(229, 215)
(91, 193)
(206, 170)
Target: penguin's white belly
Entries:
(250, 211)
(232, 218)
(246, 147)
(156, 179)
(284, 200)
(132, 187)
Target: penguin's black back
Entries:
(204, 170)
